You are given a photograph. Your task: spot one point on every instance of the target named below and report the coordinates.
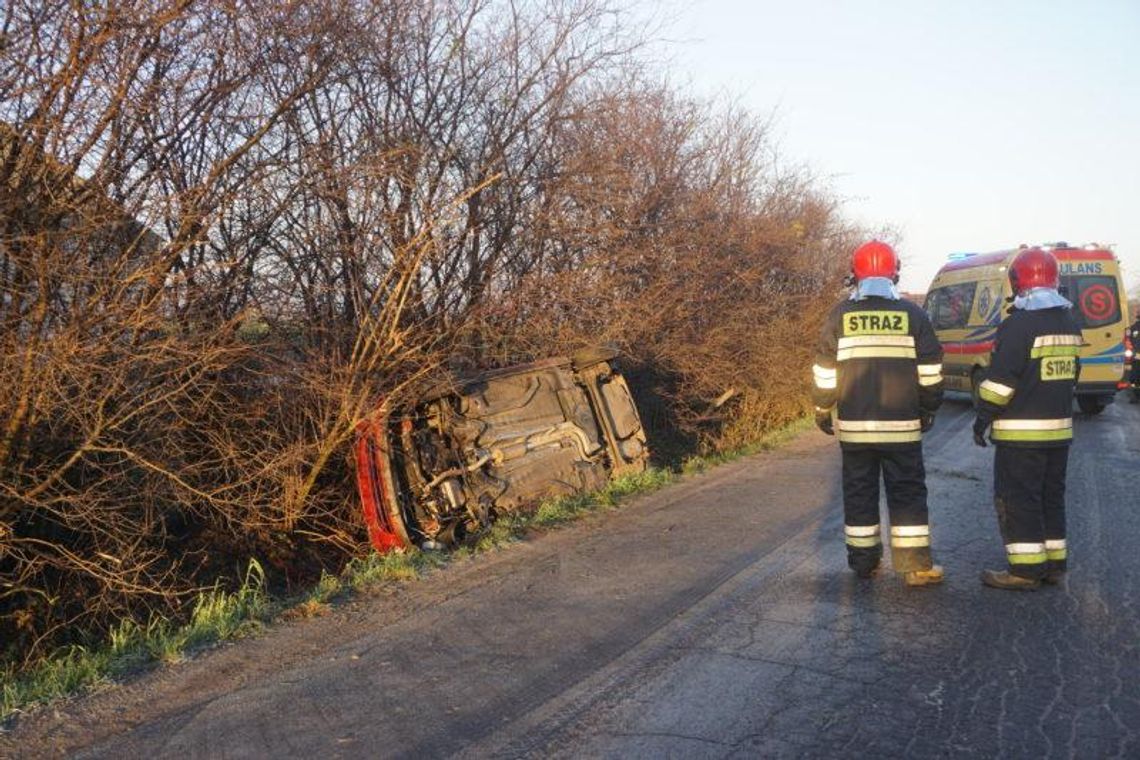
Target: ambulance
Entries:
(970, 296)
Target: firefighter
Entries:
(878, 383)
(1027, 397)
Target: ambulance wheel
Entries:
(1091, 404)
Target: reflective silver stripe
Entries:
(929, 374)
(994, 387)
(1058, 340)
(875, 352)
(821, 371)
(884, 436)
(1054, 543)
(861, 530)
(875, 347)
(1056, 345)
(876, 340)
(995, 392)
(1025, 554)
(910, 536)
(863, 542)
(1064, 423)
(825, 378)
(867, 426)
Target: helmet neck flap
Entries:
(1036, 299)
(883, 287)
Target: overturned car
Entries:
(483, 445)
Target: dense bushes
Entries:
(229, 229)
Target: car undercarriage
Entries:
(476, 447)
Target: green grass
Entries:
(766, 442)
(220, 615)
(216, 616)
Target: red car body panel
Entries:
(377, 487)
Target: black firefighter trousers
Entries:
(904, 475)
(1029, 495)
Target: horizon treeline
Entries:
(231, 229)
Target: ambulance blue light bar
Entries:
(960, 256)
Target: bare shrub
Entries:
(229, 230)
(671, 232)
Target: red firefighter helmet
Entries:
(1033, 268)
(875, 259)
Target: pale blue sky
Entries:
(968, 125)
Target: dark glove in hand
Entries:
(980, 426)
(926, 422)
(823, 422)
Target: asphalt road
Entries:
(713, 619)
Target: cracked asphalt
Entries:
(715, 619)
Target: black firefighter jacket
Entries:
(879, 365)
(1028, 390)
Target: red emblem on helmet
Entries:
(875, 259)
(1033, 268)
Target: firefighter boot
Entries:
(1053, 577)
(1007, 580)
(923, 577)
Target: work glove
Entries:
(926, 422)
(980, 426)
(823, 421)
